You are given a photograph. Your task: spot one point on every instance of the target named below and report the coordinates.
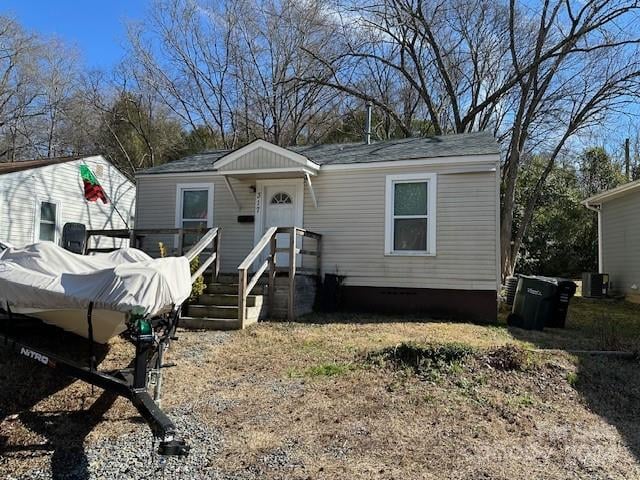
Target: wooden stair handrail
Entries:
(212, 237)
(203, 243)
(257, 250)
(245, 285)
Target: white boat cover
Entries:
(46, 276)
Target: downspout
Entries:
(599, 212)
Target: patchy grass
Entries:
(369, 397)
(524, 400)
(323, 370)
(591, 325)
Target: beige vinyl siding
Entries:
(21, 194)
(621, 242)
(260, 158)
(157, 208)
(351, 216)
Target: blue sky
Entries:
(96, 27)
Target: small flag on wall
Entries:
(92, 188)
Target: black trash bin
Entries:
(533, 304)
(331, 292)
(541, 302)
(566, 289)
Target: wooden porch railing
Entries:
(246, 284)
(210, 239)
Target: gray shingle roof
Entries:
(480, 143)
(201, 162)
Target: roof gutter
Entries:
(613, 193)
(590, 206)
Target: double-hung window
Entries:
(194, 209)
(47, 224)
(410, 214)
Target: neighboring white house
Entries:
(619, 237)
(37, 198)
(411, 224)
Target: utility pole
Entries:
(627, 160)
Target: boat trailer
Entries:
(150, 338)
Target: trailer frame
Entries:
(132, 382)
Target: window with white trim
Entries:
(47, 221)
(410, 214)
(194, 209)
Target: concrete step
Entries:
(224, 299)
(204, 323)
(232, 288)
(220, 311)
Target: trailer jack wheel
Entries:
(174, 447)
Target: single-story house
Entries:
(38, 197)
(619, 237)
(408, 225)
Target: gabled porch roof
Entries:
(264, 159)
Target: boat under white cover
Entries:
(48, 282)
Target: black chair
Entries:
(73, 237)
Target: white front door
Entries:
(282, 207)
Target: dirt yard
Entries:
(336, 398)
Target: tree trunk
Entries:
(508, 207)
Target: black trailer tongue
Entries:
(132, 382)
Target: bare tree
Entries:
(181, 54)
(38, 87)
(19, 94)
(232, 67)
(59, 82)
(535, 75)
(133, 130)
(269, 57)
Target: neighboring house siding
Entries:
(621, 242)
(351, 216)
(17, 216)
(21, 192)
(260, 158)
